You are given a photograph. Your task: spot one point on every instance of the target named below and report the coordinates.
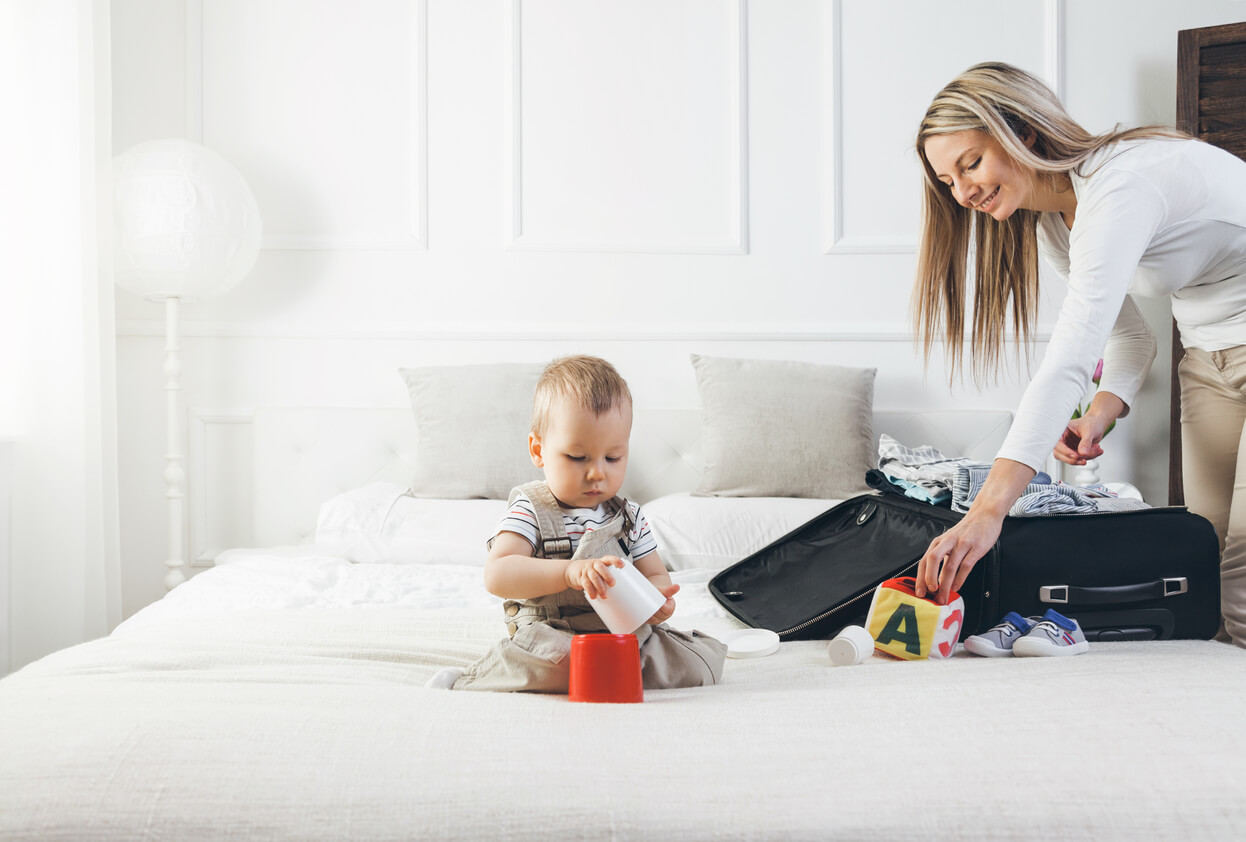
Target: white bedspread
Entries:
(280, 697)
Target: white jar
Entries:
(851, 646)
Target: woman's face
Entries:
(981, 176)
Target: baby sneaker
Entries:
(1055, 634)
(999, 639)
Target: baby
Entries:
(560, 539)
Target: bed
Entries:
(279, 695)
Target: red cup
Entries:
(605, 668)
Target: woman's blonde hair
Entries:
(1020, 112)
(588, 382)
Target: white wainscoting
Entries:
(227, 376)
(6, 549)
(219, 474)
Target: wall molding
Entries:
(520, 332)
(513, 236)
(834, 239)
(1053, 47)
(416, 236)
(203, 546)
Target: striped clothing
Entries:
(924, 473)
(1042, 496)
(521, 520)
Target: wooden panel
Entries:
(1211, 86)
(1221, 94)
(1211, 105)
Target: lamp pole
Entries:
(174, 469)
(186, 227)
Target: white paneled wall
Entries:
(446, 181)
(884, 64)
(322, 105)
(628, 126)
(6, 563)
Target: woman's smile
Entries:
(985, 204)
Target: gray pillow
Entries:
(785, 429)
(472, 423)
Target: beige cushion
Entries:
(472, 429)
(785, 429)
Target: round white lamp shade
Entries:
(186, 225)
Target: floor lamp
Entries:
(186, 227)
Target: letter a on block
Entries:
(902, 626)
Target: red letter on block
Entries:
(946, 646)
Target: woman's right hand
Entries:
(949, 558)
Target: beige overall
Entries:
(535, 656)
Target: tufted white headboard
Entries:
(304, 456)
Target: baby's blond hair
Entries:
(590, 382)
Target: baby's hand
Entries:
(592, 575)
(668, 607)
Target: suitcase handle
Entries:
(1132, 624)
(1072, 595)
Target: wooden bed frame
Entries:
(1211, 105)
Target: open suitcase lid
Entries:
(819, 577)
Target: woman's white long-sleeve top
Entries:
(1154, 217)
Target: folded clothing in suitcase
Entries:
(1144, 574)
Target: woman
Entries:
(1147, 211)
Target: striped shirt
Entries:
(522, 521)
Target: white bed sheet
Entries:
(280, 697)
(300, 577)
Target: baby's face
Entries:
(584, 456)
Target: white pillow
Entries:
(472, 423)
(382, 522)
(785, 429)
(716, 532)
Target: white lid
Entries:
(751, 643)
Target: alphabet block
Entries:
(910, 627)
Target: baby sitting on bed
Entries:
(560, 538)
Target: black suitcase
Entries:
(1146, 574)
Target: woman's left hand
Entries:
(1080, 441)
